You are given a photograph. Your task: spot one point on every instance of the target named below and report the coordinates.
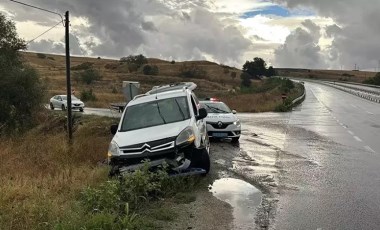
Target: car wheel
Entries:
(63, 107)
(235, 139)
(81, 109)
(51, 106)
(201, 159)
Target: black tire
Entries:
(51, 106)
(63, 107)
(81, 110)
(201, 159)
(235, 139)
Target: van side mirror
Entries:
(202, 114)
(114, 129)
(234, 111)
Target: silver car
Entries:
(60, 101)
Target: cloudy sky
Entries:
(330, 34)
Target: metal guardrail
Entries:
(369, 95)
(295, 101)
(369, 90)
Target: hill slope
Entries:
(52, 69)
(333, 75)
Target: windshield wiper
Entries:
(159, 112)
(216, 109)
(180, 110)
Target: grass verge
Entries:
(263, 96)
(47, 184)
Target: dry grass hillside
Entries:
(333, 75)
(218, 78)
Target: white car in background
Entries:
(221, 121)
(60, 101)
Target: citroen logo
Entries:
(145, 147)
(220, 124)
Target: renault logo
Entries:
(220, 124)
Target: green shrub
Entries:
(192, 71)
(114, 90)
(374, 80)
(132, 67)
(87, 76)
(172, 62)
(138, 60)
(42, 56)
(286, 85)
(150, 70)
(83, 66)
(21, 98)
(245, 80)
(87, 95)
(284, 107)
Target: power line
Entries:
(39, 8)
(43, 33)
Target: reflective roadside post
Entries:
(284, 96)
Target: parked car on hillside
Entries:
(221, 121)
(164, 125)
(60, 101)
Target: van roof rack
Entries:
(173, 86)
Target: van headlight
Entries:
(237, 122)
(185, 137)
(113, 150)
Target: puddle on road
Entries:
(242, 196)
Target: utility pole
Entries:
(355, 66)
(68, 80)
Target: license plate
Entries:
(220, 135)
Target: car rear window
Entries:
(218, 107)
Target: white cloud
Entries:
(238, 7)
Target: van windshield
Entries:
(155, 113)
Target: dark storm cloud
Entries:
(148, 26)
(356, 39)
(49, 46)
(182, 29)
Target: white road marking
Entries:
(354, 106)
(345, 127)
(370, 113)
(350, 132)
(369, 149)
(358, 139)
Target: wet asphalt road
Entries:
(327, 156)
(321, 161)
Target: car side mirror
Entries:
(114, 129)
(234, 111)
(202, 114)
